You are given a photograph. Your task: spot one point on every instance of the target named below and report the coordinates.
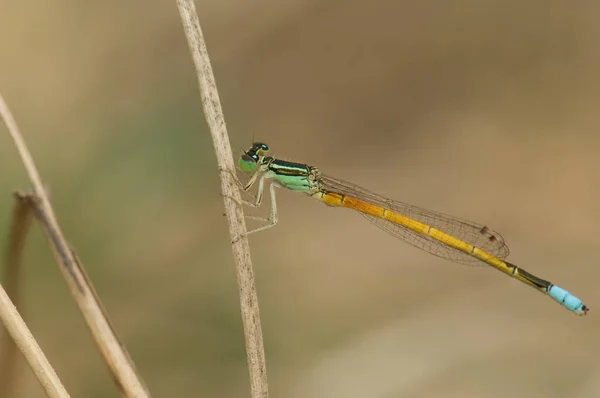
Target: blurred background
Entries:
(486, 110)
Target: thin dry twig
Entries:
(17, 330)
(235, 217)
(31, 350)
(114, 353)
(10, 359)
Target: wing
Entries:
(475, 234)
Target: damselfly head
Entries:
(252, 157)
(259, 148)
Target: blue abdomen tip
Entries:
(567, 300)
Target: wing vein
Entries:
(475, 234)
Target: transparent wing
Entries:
(467, 231)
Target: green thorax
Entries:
(294, 176)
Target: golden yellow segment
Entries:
(338, 200)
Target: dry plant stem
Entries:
(31, 350)
(9, 358)
(114, 354)
(11, 318)
(235, 217)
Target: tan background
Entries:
(482, 109)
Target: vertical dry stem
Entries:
(235, 217)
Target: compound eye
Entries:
(259, 146)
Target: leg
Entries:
(234, 176)
(272, 220)
(259, 190)
(245, 188)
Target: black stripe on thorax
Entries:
(283, 167)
